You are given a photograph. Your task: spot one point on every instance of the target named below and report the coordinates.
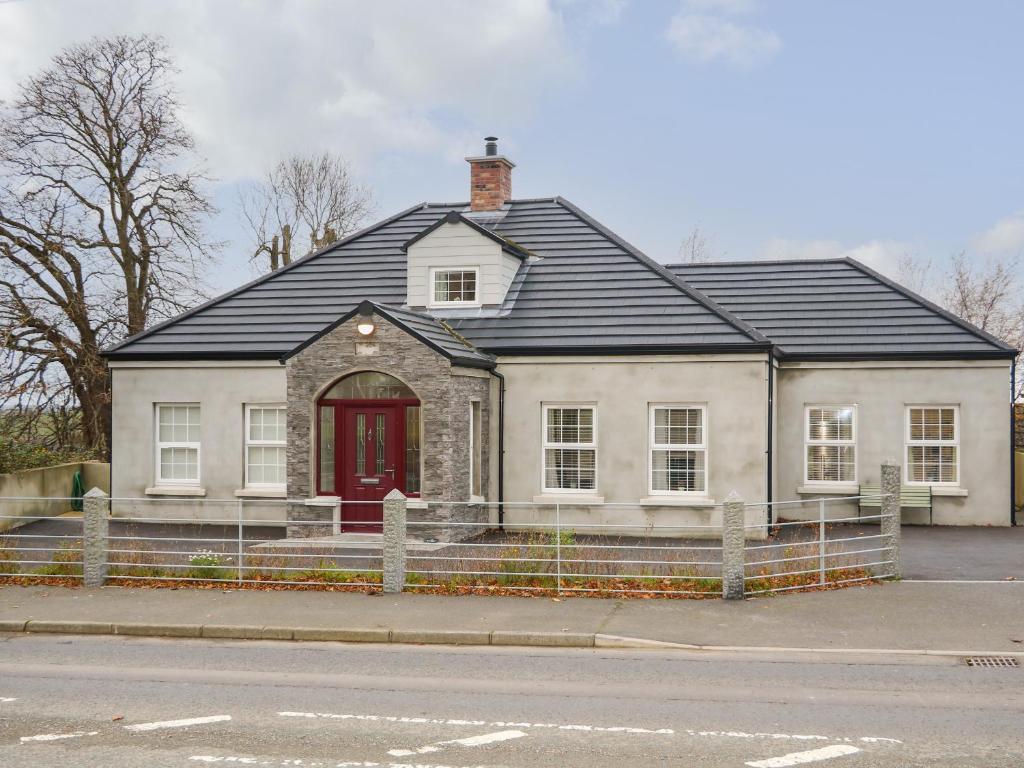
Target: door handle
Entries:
(392, 471)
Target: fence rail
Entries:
(447, 549)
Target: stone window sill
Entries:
(416, 504)
(678, 501)
(176, 490)
(260, 493)
(836, 489)
(322, 501)
(948, 490)
(568, 498)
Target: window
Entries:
(453, 286)
(831, 444)
(570, 448)
(265, 430)
(678, 447)
(177, 445)
(475, 449)
(933, 445)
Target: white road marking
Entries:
(590, 728)
(792, 736)
(800, 758)
(177, 723)
(57, 736)
(493, 724)
(471, 741)
(238, 759)
(6, 700)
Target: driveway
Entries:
(963, 554)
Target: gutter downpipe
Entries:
(501, 448)
(1013, 442)
(770, 441)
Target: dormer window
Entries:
(454, 287)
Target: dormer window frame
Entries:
(432, 287)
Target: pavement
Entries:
(139, 702)
(908, 617)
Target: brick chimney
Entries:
(490, 178)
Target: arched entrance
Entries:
(368, 442)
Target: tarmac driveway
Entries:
(962, 554)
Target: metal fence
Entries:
(453, 548)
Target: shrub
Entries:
(209, 566)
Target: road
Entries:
(72, 701)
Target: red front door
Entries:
(369, 463)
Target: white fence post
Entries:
(733, 518)
(95, 528)
(821, 541)
(394, 541)
(889, 522)
(241, 532)
(558, 549)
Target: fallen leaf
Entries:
(115, 718)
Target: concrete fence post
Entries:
(95, 526)
(889, 524)
(394, 541)
(733, 518)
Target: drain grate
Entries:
(991, 661)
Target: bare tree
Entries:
(100, 223)
(303, 204)
(914, 273)
(696, 248)
(989, 294)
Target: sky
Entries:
(780, 128)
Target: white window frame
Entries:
(248, 441)
(475, 413)
(908, 443)
(545, 445)
(653, 446)
(431, 278)
(812, 441)
(169, 482)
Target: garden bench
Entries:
(911, 496)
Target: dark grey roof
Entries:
(589, 291)
(433, 332)
(837, 308)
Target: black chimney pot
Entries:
(491, 147)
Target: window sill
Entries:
(176, 490)
(477, 499)
(322, 501)
(948, 490)
(678, 501)
(568, 498)
(260, 493)
(833, 489)
(411, 503)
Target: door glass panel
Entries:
(380, 443)
(412, 449)
(327, 449)
(369, 385)
(360, 443)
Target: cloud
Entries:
(1005, 236)
(600, 12)
(701, 32)
(881, 255)
(262, 80)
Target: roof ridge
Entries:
(953, 318)
(664, 273)
(262, 279)
(746, 262)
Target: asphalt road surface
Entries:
(106, 701)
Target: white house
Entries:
(515, 351)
